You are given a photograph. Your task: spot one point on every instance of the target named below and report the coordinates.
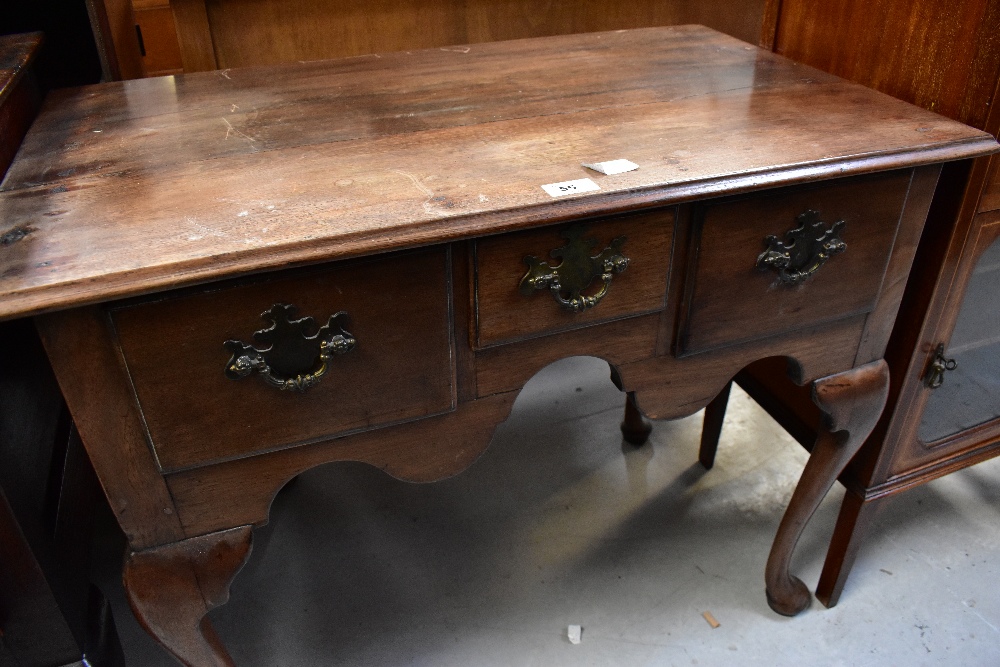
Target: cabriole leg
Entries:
(172, 587)
(852, 402)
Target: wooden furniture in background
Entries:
(945, 57)
(20, 97)
(201, 35)
(157, 219)
(155, 28)
(49, 612)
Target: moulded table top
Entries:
(132, 187)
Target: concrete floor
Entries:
(561, 523)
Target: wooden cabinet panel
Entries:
(255, 32)
(730, 236)
(504, 313)
(960, 417)
(937, 54)
(160, 52)
(399, 369)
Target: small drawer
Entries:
(507, 309)
(398, 369)
(729, 299)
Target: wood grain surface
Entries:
(261, 32)
(110, 423)
(146, 185)
(937, 54)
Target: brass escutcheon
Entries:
(804, 250)
(294, 359)
(576, 272)
(938, 366)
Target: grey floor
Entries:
(561, 523)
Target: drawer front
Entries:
(399, 368)
(730, 299)
(508, 309)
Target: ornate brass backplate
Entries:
(804, 250)
(294, 358)
(578, 269)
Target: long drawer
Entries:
(389, 358)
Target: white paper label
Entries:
(571, 187)
(612, 167)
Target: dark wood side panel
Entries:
(32, 628)
(990, 201)
(880, 322)
(93, 380)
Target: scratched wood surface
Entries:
(140, 186)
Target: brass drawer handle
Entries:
(293, 359)
(938, 366)
(804, 250)
(577, 270)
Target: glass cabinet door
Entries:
(969, 395)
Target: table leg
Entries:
(635, 427)
(172, 587)
(856, 515)
(715, 413)
(852, 402)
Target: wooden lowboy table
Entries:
(397, 200)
